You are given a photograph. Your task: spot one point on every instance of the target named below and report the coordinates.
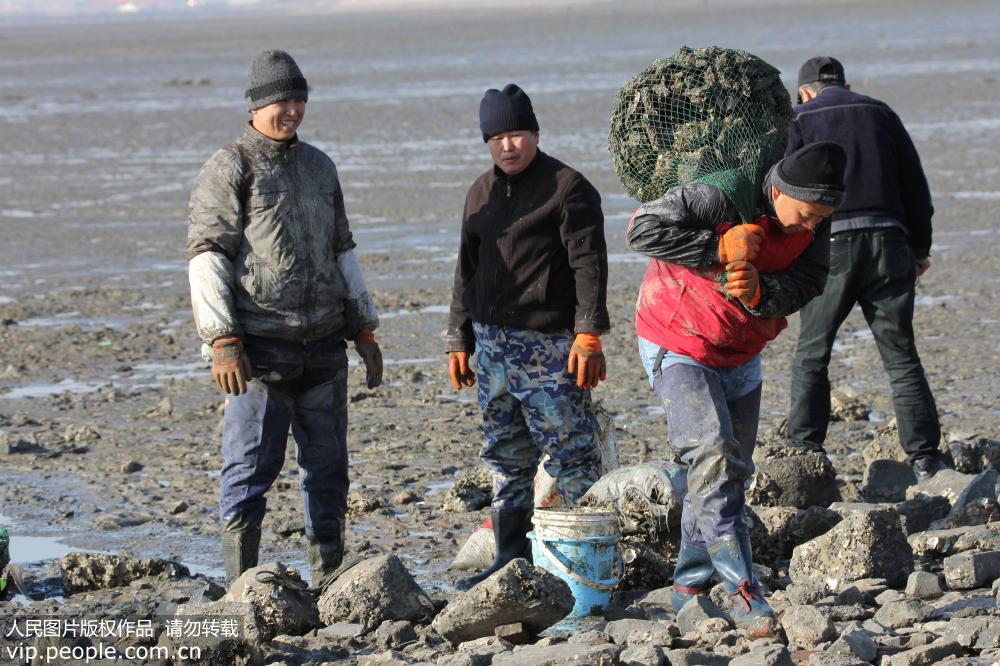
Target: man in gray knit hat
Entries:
(276, 290)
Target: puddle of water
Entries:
(439, 486)
(41, 390)
(430, 309)
(931, 301)
(74, 319)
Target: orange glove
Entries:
(230, 365)
(741, 243)
(586, 360)
(371, 354)
(743, 282)
(458, 370)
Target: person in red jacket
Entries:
(716, 291)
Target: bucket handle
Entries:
(557, 561)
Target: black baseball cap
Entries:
(822, 69)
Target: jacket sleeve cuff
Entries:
(212, 279)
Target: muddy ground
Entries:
(111, 420)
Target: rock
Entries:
(517, 593)
(639, 632)
(234, 639)
(806, 593)
(924, 585)
(851, 596)
(832, 659)
(846, 407)
(926, 654)
(695, 658)
(515, 634)
(946, 483)
(340, 631)
(563, 654)
(163, 408)
(935, 543)
(967, 456)
(866, 544)
(785, 476)
(697, 609)
(884, 446)
(642, 655)
(371, 592)
(975, 512)
(900, 614)
(974, 633)
(479, 652)
(807, 626)
(179, 507)
(363, 502)
(472, 491)
(393, 634)
(768, 655)
(131, 467)
(91, 571)
(280, 598)
(80, 434)
(776, 531)
(887, 481)
(969, 570)
(387, 658)
(986, 537)
(856, 644)
(917, 514)
(888, 596)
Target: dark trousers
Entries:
(714, 433)
(875, 269)
(299, 385)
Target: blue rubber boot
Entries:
(692, 575)
(732, 559)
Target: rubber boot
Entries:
(692, 575)
(325, 559)
(732, 559)
(240, 546)
(510, 530)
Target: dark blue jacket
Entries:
(883, 175)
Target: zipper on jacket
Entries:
(508, 189)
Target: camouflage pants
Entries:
(531, 407)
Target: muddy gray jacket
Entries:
(269, 246)
(679, 228)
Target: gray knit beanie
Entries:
(274, 76)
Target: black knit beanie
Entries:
(274, 76)
(814, 173)
(506, 110)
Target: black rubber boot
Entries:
(240, 546)
(733, 562)
(510, 529)
(325, 559)
(692, 575)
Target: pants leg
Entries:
(745, 414)
(510, 452)
(255, 431)
(319, 426)
(819, 320)
(557, 411)
(700, 428)
(887, 304)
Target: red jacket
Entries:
(685, 309)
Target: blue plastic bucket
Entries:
(579, 546)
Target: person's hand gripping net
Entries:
(459, 371)
(743, 282)
(741, 243)
(230, 365)
(586, 360)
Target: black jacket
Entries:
(883, 174)
(532, 254)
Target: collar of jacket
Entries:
(528, 170)
(263, 145)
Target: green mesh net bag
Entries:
(709, 115)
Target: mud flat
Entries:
(110, 424)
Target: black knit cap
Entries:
(814, 173)
(274, 76)
(822, 69)
(506, 110)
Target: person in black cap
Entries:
(276, 290)
(880, 244)
(529, 302)
(716, 291)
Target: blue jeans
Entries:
(302, 385)
(712, 416)
(531, 406)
